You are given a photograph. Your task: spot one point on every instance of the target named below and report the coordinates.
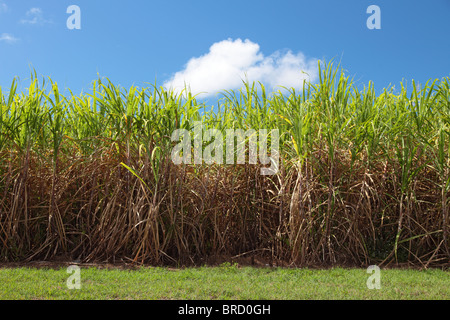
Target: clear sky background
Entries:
(213, 43)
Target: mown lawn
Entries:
(224, 282)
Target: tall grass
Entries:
(363, 178)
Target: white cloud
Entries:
(230, 62)
(6, 37)
(35, 16)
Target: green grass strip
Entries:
(222, 283)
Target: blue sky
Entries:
(140, 41)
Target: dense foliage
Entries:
(363, 178)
